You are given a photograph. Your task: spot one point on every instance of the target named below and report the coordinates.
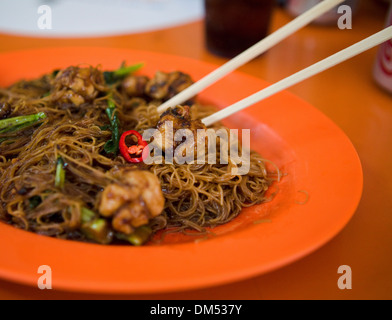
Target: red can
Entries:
(383, 66)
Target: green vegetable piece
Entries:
(87, 215)
(112, 77)
(34, 202)
(59, 181)
(98, 230)
(55, 72)
(21, 122)
(111, 146)
(139, 237)
(123, 71)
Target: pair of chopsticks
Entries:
(267, 43)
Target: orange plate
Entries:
(315, 200)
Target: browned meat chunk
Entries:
(132, 202)
(77, 85)
(135, 86)
(180, 117)
(166, 85)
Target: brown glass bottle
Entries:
(232, 26)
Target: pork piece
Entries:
(135, 86)
(76, 86)
(166, 85)
(180, 117)
(133, 201)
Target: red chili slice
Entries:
(133, 153)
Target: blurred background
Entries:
(92, 18)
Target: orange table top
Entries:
(348, 95)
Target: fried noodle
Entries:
(196, 195)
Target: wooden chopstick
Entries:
(251, 53)
(341, 56)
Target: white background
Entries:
(89, 18)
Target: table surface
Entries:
(348, 95)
